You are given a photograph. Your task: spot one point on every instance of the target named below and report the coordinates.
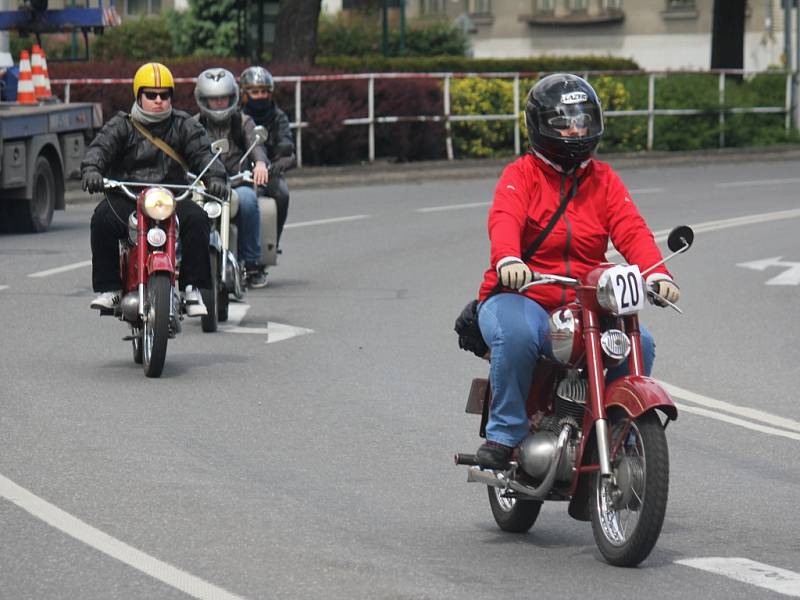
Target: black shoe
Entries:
(492, 455)
(256, 275)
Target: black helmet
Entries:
(564, 119)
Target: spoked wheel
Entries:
(156, 324)
(137, 346)
(512, 514)
(627, 517)
(209, 321)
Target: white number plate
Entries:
(624, 282)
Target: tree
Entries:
(208, 28)
(727, 36)
(296, 32)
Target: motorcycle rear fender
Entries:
(159, 261)
(636, 395)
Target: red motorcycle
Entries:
(151, 303)
(602, 448)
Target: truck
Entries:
(42, 145)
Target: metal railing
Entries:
(448, 118)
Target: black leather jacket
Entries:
(120, 151)
(280, 143)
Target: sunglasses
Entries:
(153, 95)
(581, 121)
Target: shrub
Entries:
(461, 64)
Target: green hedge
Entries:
(461, 64)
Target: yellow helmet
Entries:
(152, 75)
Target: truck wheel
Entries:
(36, 214)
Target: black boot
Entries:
(492, 455)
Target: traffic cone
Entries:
(48, 92)
(38, 75)
(25, 92)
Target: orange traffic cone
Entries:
(38, 75)
(25, 92)
(48, 92)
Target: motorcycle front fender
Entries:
(159, 261)
(636, 395)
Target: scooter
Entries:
(602, 448)
(151, 303)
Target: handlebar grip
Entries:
(465, 459)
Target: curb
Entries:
(388, 173)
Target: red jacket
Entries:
(525, 199)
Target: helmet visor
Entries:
(579, 120)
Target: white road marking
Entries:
(790, 276)
(278, 332)
(748, 571)
(754, 182)
(325, 221)
(740, 422)
(3, 287)
(275, 332)
(81, 531)
(431, 209)
(78, 265)
(646, 191)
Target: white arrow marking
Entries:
(749, 571)
(275, 332)
(791, 276)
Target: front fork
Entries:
(225, 236)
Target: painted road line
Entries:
(81, 531)
(757, 182)
(748, 571)
(742, 411)
(431, 209)
(736, 421)
(73, 266)
(3, 287)
(646, 191)
(325, 221)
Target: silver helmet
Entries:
(256, 77)
(217, 83)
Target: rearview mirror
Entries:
(222, 146)
(261, 134)
(680, 238)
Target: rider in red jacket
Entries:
(565, 124)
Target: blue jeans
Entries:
(248, 221)
(515, 329)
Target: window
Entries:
(681, 4)
(480, 7)
(142, 7)
(612, 4)
(578, 6)
(432, 7)
(545, 7)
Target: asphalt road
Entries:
(320, 465)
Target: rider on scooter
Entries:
(258, 88)
(565, 123)
(217, 95)
(121, 151)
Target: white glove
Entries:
(513, 273)
(665, 288)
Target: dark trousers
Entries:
(110, 224)
(276, 188)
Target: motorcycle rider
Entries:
(258, 88)
(565, 123)
(120, 151)
(217, 95)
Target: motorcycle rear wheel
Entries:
(511, 514)
(155, 332)
(209, 321)
(627, 521)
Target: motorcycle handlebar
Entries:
(111, 184)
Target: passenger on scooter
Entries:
(217, 95)
(565, 123)
(121, 151)
(258, 88)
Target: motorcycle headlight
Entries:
(616, 346)
(159, 203)
(213, 209)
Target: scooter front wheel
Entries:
(512, 514)
(155, 332)
(627, 513)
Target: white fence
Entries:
(371, 120)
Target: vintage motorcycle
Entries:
(151, 303)
(600, 447)
(227, 271)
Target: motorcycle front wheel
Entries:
(137, 346)
(155, 332)
(209, 321)
(627, 517)
(511, 514)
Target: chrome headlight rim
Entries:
(158, 203)
(213, 209)
(616, 345)
(156, 237)
(605, 294)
